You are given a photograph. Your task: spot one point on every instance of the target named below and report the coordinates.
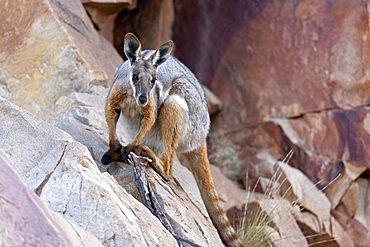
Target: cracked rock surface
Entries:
(26, 221)
(69, 183)
(50, 49)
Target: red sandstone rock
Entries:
(299, 62)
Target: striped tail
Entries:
(199, 164)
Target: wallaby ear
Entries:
(162, 54)
(132, 48)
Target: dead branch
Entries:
(147, 194)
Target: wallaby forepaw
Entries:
(112, 155)
(109, 157)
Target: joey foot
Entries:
(143, 150)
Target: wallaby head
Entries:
(143, 71)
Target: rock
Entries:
(290, 76)
(352, 212)
(106, 29)
(285, 222)
(358, 233)
(26, 221)
(350, 200)
(363, 203)
(338, 189)
(229, 192)
(213, 102)
(51, 49)
(100, 10)
(151, 22)
(315, 221)
(65, 176)
(274, 213)
(322, 137)
(313, 230)
(276, 68)
(82, 115)
(342, 238)
(306, 193)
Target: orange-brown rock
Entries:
(50, 49)
(302, 62)
(100, 10)
(358, 233)
(274, 213)
(151, 22)
(312, 229)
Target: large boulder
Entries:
(26, 221)
(50, 49)
(62, 172)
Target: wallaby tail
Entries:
(199, 164)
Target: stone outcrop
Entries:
(151, 22)
(292, 76)
(100, 10)
(26, 221)
(65, 168)
(50, 49)
(62, 172)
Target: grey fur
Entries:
(173, 78)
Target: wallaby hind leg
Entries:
(171, 120)
(199, 165)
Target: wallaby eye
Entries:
(153, 80)
(135, 78)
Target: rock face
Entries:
(293, 75)
(100, 10)
(50, 49)
(151, 22)
(26, 221)
(64, 175)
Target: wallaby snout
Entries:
(143, 99)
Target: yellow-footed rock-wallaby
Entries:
(163, 106)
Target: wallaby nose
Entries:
(142, 99)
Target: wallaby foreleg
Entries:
(112, 112)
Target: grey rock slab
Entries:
(26, 221)
(69, 182)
